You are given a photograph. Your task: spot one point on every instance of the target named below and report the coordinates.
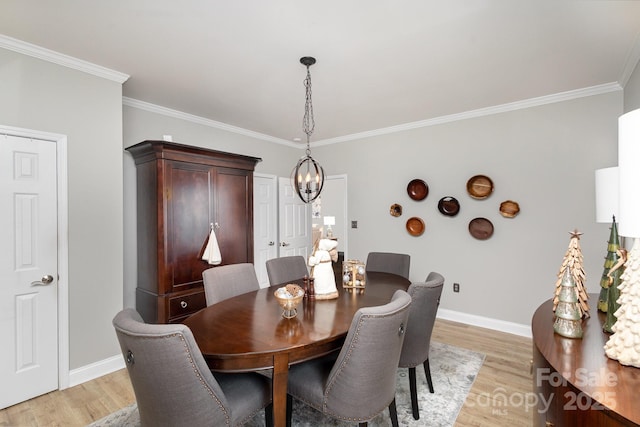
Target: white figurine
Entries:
(322, 270)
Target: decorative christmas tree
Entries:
(573, 262)
(568, 314)
(610, 260)
(615, 279)
(624, 344)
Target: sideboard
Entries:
(575, 383)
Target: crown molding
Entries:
(503, 108)
(29, 49)
(158, 109)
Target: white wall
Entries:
(544, 158)
(46, 97)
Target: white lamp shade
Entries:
(629, 170)
(329, 220)
(607, 191)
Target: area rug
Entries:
(453, 371)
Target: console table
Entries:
(575, 383)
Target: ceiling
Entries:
(380, 63)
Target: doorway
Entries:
(34, 269)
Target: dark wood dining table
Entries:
(248, 333)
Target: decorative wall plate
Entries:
(417, 189)
(449, 206)
(509, 208)
(395, 210)
(479, 186)
(415, 226)
(481, 228)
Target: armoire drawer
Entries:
(184, 305)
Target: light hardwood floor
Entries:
(504, 377)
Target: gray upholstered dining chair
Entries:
(286, 269)
(228, 281)
(360, 382)
(389, 262)
(422, 316)
(173, 384)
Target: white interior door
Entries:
(294, 221)
(334, 203)
(265, 224)
(28, 269)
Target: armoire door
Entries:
(234, 214)
(189, 213)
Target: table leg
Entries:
(279, 384)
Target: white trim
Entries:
(63, 243)
(512, 106)
(158, 109)
(96, 370)
(35, 51)
(485, 322)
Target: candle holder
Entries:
(353, 274)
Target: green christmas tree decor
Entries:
(573, 262)
(615, 279)
(610, 260)
(568, 315)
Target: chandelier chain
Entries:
(308, 122)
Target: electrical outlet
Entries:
(456, 287)
(354, 224)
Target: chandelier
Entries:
(308, 175)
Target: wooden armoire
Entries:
(183, 191)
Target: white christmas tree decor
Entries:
(624, 344)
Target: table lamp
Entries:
(607, 194)
(329, 221)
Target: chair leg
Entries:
(414, 393)
(393, 413)
(289, 409)
(364, 424)
(427, 373)
(268, 415)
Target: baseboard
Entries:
(485, 322)
(95, 370)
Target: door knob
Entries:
(283, 244)
(46, 280)
(271, 243)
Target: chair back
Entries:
(170, 378)
(228, 281)
(389, 262)
(422, 317)
(286, 269)
(362, 382)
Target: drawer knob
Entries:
(183, 304)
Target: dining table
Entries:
(248, 332)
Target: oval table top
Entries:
(244, 332)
